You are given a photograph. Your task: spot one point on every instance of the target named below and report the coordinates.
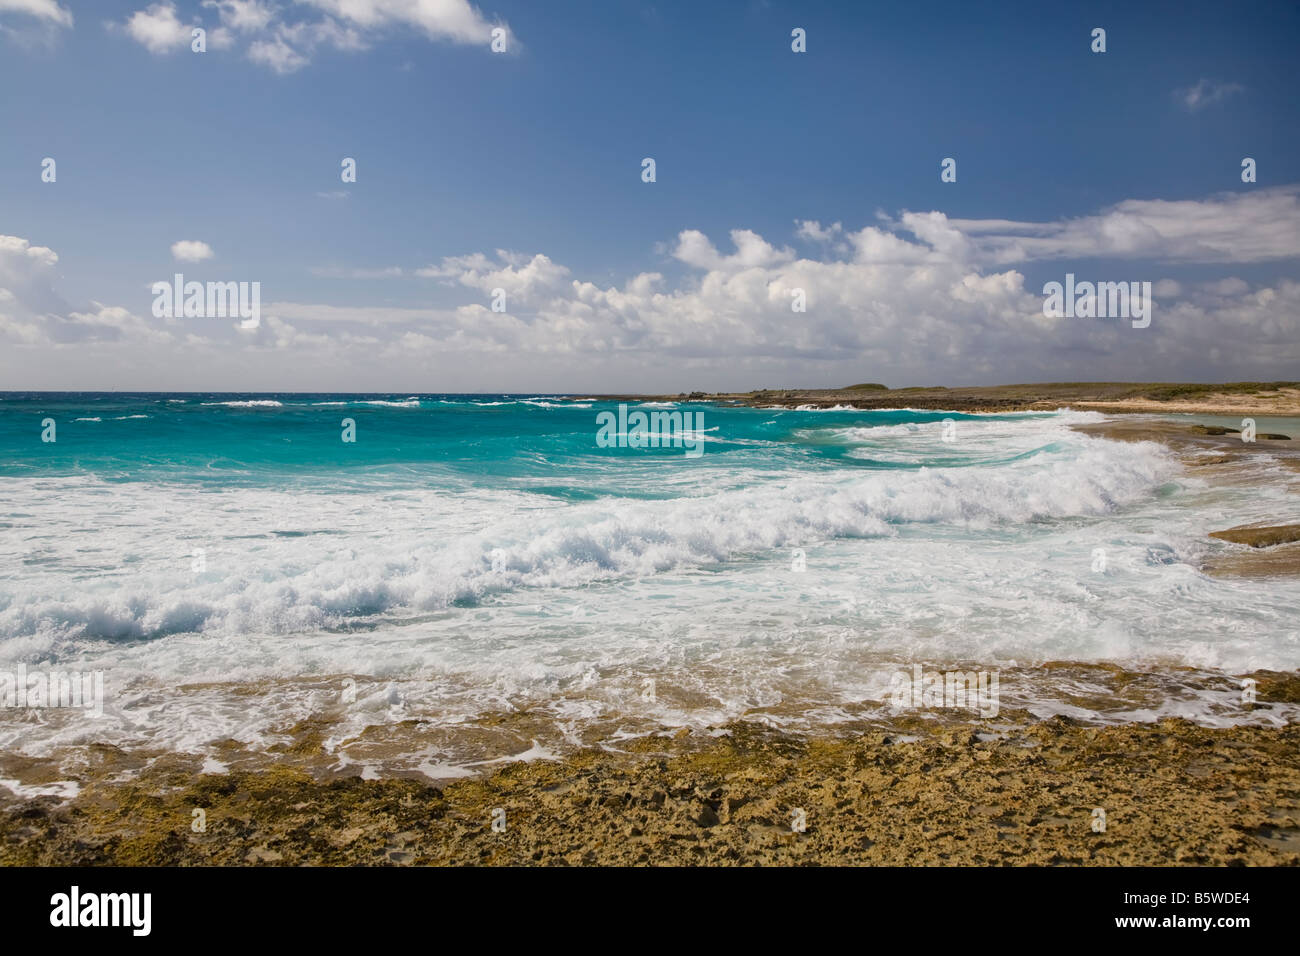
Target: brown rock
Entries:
(1260, 537)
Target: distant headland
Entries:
(1230, 398)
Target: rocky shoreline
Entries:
(1049, 792)
(1269, 549)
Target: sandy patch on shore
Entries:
(1285, 403)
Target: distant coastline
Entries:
(1280, 399)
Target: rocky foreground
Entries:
(1050, 792)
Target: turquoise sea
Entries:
(235, 567)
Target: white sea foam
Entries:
(447, 605)
(251, 403)
(62, 789)
(407, 403)
(294, 586)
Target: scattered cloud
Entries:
(191, 250)
(923, 296)
(456, 21)
(812, 230)
(158, 29)
(32, 314)
(1256, 226)
(286, 37)
(695, 249)
(13, 249)
(1205, 93)
(522, 277)
(48, 11)
(926, 296)
(277, 54)
(243, 16)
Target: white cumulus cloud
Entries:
(917, 298)
(285, 37)
(191, 250)
(158, 29)
(47, 10)
(457, 21)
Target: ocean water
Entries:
(235, 568)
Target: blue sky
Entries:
(1127, 161)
